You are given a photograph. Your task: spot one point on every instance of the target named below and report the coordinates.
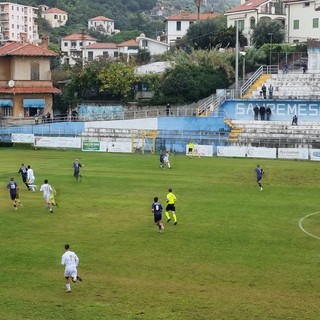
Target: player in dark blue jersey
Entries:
(259, 173)
(14, 192)
(76, 169)
(23, 170)
(157, 213)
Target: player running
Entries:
(157, 213)
(171, 199)
(259, 173)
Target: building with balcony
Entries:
(250, 12)
(178, 24)
(72, 48)
(18, 23)
(25, 79)
(102, 24)
(97, 51)
(56, 17)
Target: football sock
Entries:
(174, 217)
(167, 215)
(68, 286)
(260, 185)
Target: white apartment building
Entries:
(18, 23)
(96, 51)
(102, 24)
(153, 46)
(178, 24)
(303, 20)
(55, 16)
(72, 46)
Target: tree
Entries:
(118, 79)
(267, 31)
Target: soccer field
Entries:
(236, 252)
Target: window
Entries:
(191, 23)
(315, 23)
(295, 24)
(306, 4)
(240, 24)
(115, 54)
(90, 55)
(55, 16)
(145, 43)
(81, 44)
(178, 25)
(73, 44)
(105, 54)
(66, 44)
(252, 23)
(35, 75)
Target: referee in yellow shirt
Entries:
(171, 198)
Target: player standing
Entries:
(76, 169)
(70, 260)
(13, 190)
(47, 191)
(259, 174)
(157, 213)
(171, 199)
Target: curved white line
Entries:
(304, 230)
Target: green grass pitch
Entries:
(236, 252)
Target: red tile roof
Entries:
(186, 16)
(248, 5)
(29, 90)
(79, 36)
(100, 18)
(25, 49)
(129, 43)
(55, 10)
(101, 45)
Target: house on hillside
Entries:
(95, 51)
(56, 17)
(178, 24)
(303, 20)
(18, 23)
(102, 24)
(128, 48)
(25, 79)
(71, 47)
(250, 12)
(153, 46)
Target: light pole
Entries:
(243, 66)
(270, 34)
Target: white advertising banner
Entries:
(315, 154)
(125, 147)
(255, 152)
(201, 150)
(293, 153)
(22, 138)
(57, 142)
(232, 151)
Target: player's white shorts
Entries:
(71, 272)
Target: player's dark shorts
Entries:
(76, 173)
(190, 150)
(170, 207)
(24, 179)
(157, 217)
(259, 178)
(13, 196)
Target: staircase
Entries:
(235, 131)
(257, 85)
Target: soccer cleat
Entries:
(169, 220)
(79, 279)
(261, 189)
(15, 208)
(68, 291)
(175, 223)
(51, 211)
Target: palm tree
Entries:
(198, 4)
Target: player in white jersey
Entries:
(70, 260)
(47, 191)
(31, 178)
(166, 160)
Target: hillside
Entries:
(128, 15)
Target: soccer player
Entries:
(31, 178)
(166, 161)
(76, 169)
(13, 190)
(171, 199)
(47, 192)
(24, 175)
(157, 213)
(259, 173)
(190, 149)
(70, 260)
(161, 160)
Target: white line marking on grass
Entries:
(303, 229)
